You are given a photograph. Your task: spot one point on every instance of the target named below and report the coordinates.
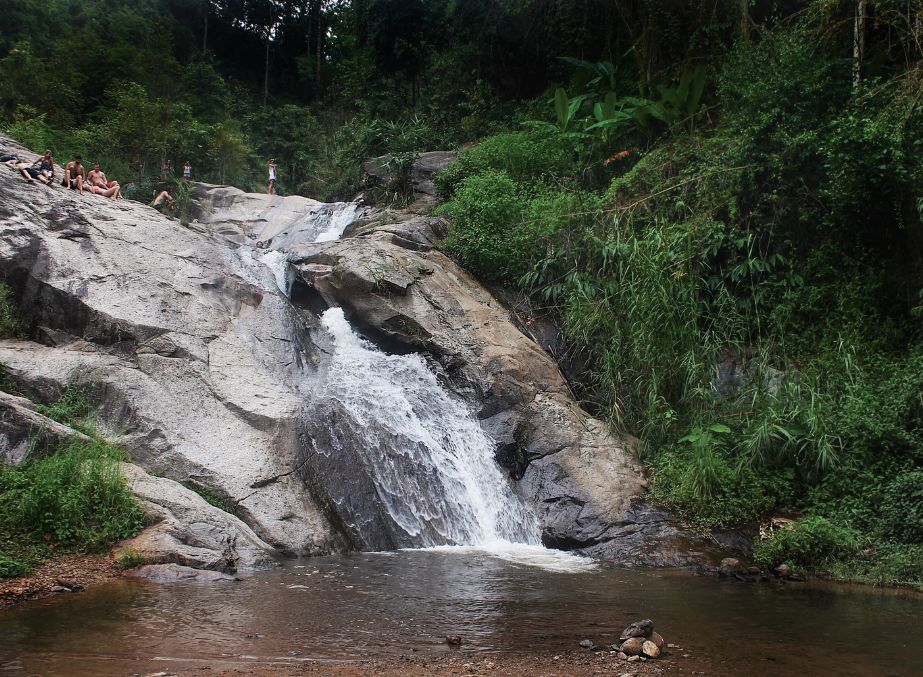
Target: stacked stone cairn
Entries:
(639, 640)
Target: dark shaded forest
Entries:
(721, 203)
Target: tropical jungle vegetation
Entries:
(721, 201)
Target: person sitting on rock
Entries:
(42, 169)
(100, 186)
(163, 198)
(74, 174)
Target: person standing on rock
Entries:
(187, 171)
(271, 188)
(74, 174)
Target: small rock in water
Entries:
(453, 640)
(650, 649)
(783, 570)
(632, 646)
(638, 629)
(586, 643)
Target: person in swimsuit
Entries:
(42, 169)
(100, 186)
(271, 188)
(74, 174)
(187, 171)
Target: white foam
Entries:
(525, 554)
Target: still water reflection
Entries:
(378, 605)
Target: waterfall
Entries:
(431, 465)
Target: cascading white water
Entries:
(431, 465)
(454, 494)
(323, 223)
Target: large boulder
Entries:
(425, 166)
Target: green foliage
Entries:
(902, 508)
(77, 497)
(211, 496)
(73, 406)
(809, 543)
(488, 230)
(10, 325)
(131, 559)
(528, 156)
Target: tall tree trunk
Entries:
(745, 20)
(317, 40)
(858, 44)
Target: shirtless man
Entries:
(74, 174)
(100, 186)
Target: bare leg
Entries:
(27, 177)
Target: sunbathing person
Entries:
(74, 174)
(99, 185)
(41, 170)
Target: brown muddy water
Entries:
(385, 605)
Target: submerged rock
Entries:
(174, 573)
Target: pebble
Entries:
(634, 659)
(586, 643)
(623, 655)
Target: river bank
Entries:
(569, 664)
(64, 574)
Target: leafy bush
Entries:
(488, 231)
(523, 156)
(902, 508)
(808, 543)
(11, 567)
(77, 496)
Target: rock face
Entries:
(205, 352)
(23, 431)
(425, 167)
(199, 361)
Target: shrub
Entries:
(11, 567)
(77, 497)
(9, 316)
(808, 543)
(488, 232)
(902, 508)
(524, 156)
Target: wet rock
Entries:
(650, 649)
(189, 531)
(643, 628)
(729, 565)
(453, 640)
(783, 570)
(632, 646)
(175, 573)
(71, 586)
(657, 639)
(586, 643)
